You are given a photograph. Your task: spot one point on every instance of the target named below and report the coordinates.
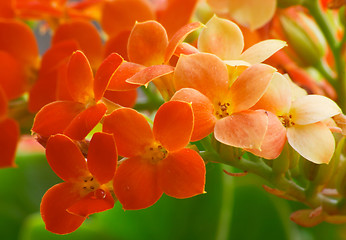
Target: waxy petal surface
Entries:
(173, 125)
(314, 142)
(131, 131)
(136, 185)
(250, 86)
(65, 158)
(222, 38)
(203, 111)
(150, 73)
(102, 157)
(125, 71)
(313, 108)
(244, 129)
(3, 105)
(182, 174)
(53, 209)
(204, 72)
(8, 142)
(123, 98)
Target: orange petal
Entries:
(80, 78)
(87, 36)
(131, 131)
(125, 71)
(203, 111)
(150, 73)
(91, 203)
(135, 184)
(274, 139)
(243, 130)
(85, 121)
(182, 174)
(121, 15)
(204, 72)
(53, 209)
(179, 37)
(47, 122)
(118, 44)
(303, 218)
(102, 157)
(173, 125)
(186, 49)
(8, 142)
(3, 105)
(222, 38)
(250, 86)
(314, 142)
(65, 158)
(123, 98)
(7, 9)
(147, 43)
(104, 74)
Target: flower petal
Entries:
(85, 121)
(203, 111)
(150, 73)
(313, 108)
(261, 51)
(250, 86)
(274, 139)
(125, 71)
(303, 218)
(182, 174)
(147, 43)
(243, 130)
(80, 78)
(65, 158)
(47, 122)
(314, 142)
(173, 125)
(135, 184)
(131, 131)
(118, 44)
(105, 73)
(204, 72)
(123, 98)
(221, 37)
(3, 104)
(53, 209)
(8, 142)
(102, 157)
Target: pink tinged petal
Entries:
(136, 185)
(204, 72)
(53, 209)
(173, 125)
(65, 158)
(131, 131)
(104, 74)
(125, 71)
(148, 74)
(203, 111)
(10, 134)
(80, 78)
(250, 86)
(244, 129)
(97, 201)
(186, 49)
(102, 157)
(179, 37)
(274, 139)
(147, 43)
(315, 142)
(182, 174)
(222, 38)
(252, 14)
(84, 122)
(261, 51)
(277, 98)
(313, 108)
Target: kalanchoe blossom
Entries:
(157, 160)
(220, 105)
(86, 189)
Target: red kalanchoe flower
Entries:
(157, 160)
(85, 191)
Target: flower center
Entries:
(155, 153)
(89, 184)
(286, 120)
(223, 109)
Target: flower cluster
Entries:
(232, 86)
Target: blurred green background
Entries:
(233, 208)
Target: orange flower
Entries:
(221, 105)
(157, 160)
(78, 117)
(85, 191)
